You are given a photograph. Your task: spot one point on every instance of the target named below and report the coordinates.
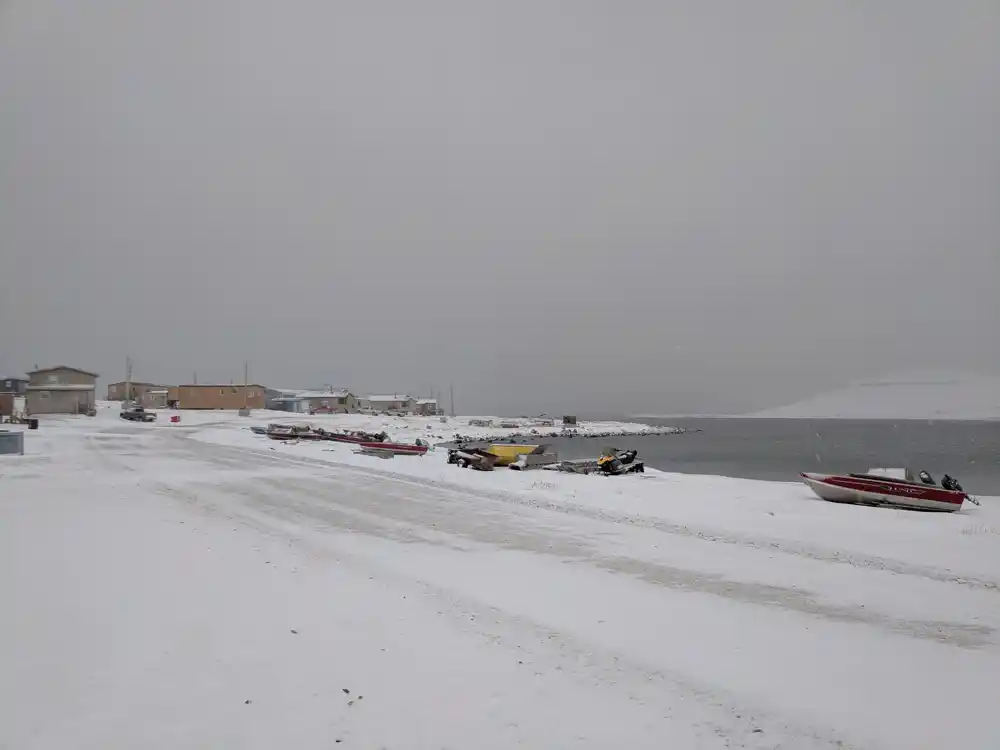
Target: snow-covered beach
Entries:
(195, 585)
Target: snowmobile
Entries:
(615, 463)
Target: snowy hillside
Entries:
(957, 397)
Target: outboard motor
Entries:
(948, 482)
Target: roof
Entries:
(62, 387)
(63, 367)
(323, 394)
(393, 397)
(136, 382)
(158, 390)
(423, 401)
(219, 385)
(20, 380)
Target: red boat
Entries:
(400, 449)
(348, 437)
(291, 432)
(894, 488)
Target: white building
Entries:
(340, 401)
(396, 402)
(427, 407)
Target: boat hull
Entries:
(882, 492)
(338, 438)
(507, 453)
(400, 449)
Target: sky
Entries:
(595, 207)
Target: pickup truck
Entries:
(137, 414)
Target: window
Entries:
(52, 378)
(222, 391)
(43, 395)
(251, 393)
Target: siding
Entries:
(219, 397)
(153, 399)
(55, 401)
(61, 376)
(336, 404)
(116, 391)
(13, 385)
(59, 402)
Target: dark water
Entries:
(778, 449)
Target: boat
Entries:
(352, 437)
(291, 432)
(377, 452)
(893, 488)
(477, 458)
(539, 458)
(507, 453)
(399, 449)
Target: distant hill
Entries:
(936, 397)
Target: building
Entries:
(396, 402)
(154, 398)
(339, 401)
(61, 390)
(17, 386)
(7, 404)
(427, 407)
(116, 391)
(331, 401)
(216, 396)
(282, 399)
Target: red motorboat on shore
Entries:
(351, 437)
(399, 449)
(894, 488)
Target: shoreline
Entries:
(813, 418)
(565, 434)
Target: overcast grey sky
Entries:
(666, 206)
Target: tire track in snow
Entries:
(783, 546)
(396, 514)
(400, 517)
(733, 721)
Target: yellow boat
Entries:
(507, 453)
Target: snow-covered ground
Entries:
(922, 397)
(195, 585)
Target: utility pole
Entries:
(451, 389)
(246, 375)
(128, 380)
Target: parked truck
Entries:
(137, 414)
